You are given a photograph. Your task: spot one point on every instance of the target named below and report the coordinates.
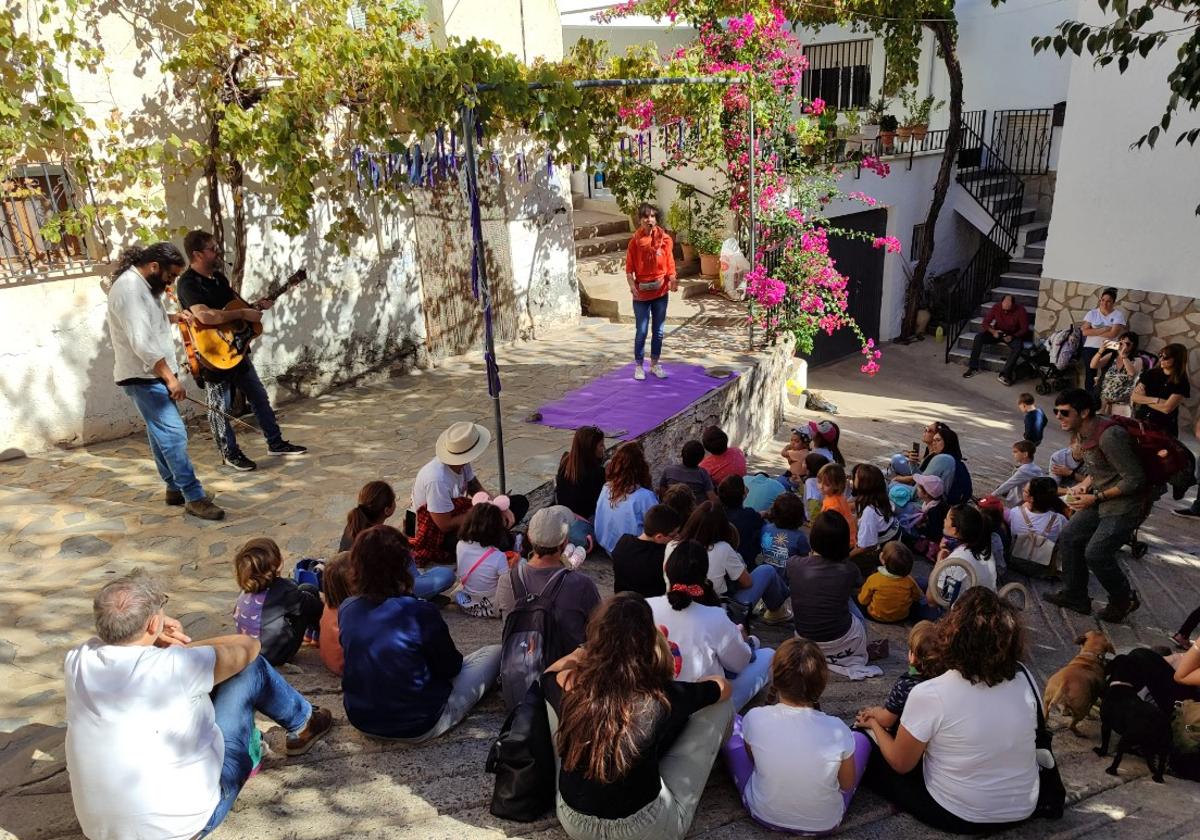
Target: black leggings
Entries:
(1190, 623)
(907, 791)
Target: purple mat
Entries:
(625, 408)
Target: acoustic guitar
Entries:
(223, 346)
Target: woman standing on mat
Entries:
(650, 271)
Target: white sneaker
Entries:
(658, 371)
(639, 373)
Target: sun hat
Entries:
(549, 526)
(931, 484)
(462, 443)
(900, 465)
(826, 430)
(900, 494)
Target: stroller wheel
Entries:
(1138, 549)
(1042, 388)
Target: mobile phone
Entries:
(916, 447)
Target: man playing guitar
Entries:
(204, 291)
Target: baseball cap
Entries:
(549, 526)
(931, 484)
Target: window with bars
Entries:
(839, 73)
(918, 237)
(30, 194)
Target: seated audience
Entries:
(994, 519)
(813, 497)
(337, 584)
(680, 499)
(967, 538)
(1041, 511)
(1034, 418)
(722, 459)
(781, 535)
(160, 728)
(747, 521)
(376, 504)
(580, 479)
(798, 446)
(963, 758)
(635, 747)
(442, 491)
(906, 506)
(1010, 489)
(931, 526)
(796, 767)
(1118, 366)
(1066, 466)
(872, 507)
(825, 436)
(889, 594)
(273, 609)
(404, 678)
(944, 460)
(832, 481)
(1104, 323)
(690, 615)
(922, 664)
(762, 491)
(638, 561)
(1006, 324)
(625, 497)
(689, 472)
(1161, 390)
(481, 561)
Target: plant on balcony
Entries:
(919, 110)
(887, 131)
(873, 117)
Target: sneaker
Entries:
(783, 615)
(285, 448)
(239, 462)
(658, 371)
(204, 509)
(1181, 641)
(1117, 611)
(319, 723)
(175, 497)
(639, 373)
(1067, 601)
(1192, 512)
(969, 372)
(1004, 380)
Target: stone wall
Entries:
(1158, 319)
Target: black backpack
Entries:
(522, 759)
(530, 642)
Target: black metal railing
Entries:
(31, 194)
(1022, 138)
(962, 299)
(997, 188)
(901, 148)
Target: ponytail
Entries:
(374, 499)
(687, 572)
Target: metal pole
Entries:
(484, 291)
(753, 226)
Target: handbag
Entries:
(1031, 546)
(522, 759)
(1052, 793)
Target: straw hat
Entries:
(462, 443)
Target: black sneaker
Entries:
(1004, 380)
(1192, 512)
(1117, 611)
(1067, 601)
(285, 448)
(240, 462)
(969, 372)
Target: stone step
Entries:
(1014, 280)
(1033, 233)
(1025, 297)
(606, 244)
(599, 225)
(1027, 215)
(992, 359)
(596, 205)
(1034, 252)
(1031, 266)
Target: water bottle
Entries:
(940, 335)
(518, 543)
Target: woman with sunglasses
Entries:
(1117, 366)
(650, 272)
(1160, 390)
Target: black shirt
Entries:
(194, 288)
(821, 592)
(749, 524)
(1157, 385)
(638, 566)
(580, 496)
(659, 728)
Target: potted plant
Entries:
(916, 123)
(708, 232)
(827, 122)
(870, 128)
(632, 185)
(681, 219)
(887, 131)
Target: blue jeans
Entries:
(479, 673)
(168, 438)
(220, 395)
(1090, 541)
(753, 677)
(257, 688)
(643, 312)
(432, 582)
(764, 583)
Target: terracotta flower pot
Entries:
(920, 132)
(887, 139)
(689, 251)
(710, 266)
(904, 132)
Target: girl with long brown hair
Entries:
(636, 747)
(579, 481)
(627, 495)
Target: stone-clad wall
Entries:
(1158, 319)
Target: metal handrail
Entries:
(963, 298)
(1004, 206)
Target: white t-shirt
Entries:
(985, 570)
(797, 755)
(1098, 319)
(483, 580)
(437, 486)
(1048, 523)
(980, 761)
(709, 643)
(872, 525)
(723, 560)
(143, 749)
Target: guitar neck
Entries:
(290, 283)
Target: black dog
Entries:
(1141, 725)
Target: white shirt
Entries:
(1098, 319)
(797, 755)
(723, 560)
(985, 570)
(143, 749)
(872, 525)
(1048, 523)
(813, 497)
(483, 580)
(437, 486)
(980, 763)
(709, 643)
(1011, 489)
(138, 327)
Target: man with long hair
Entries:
(140, 330)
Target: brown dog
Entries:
(1077, 685)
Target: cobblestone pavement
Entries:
(70, 521)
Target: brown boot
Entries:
(174, 497)
(319, 723)
(204, 509)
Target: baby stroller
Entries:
(1052, 360)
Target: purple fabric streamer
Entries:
(618, 403)
(550, 164)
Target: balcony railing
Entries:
(1023, 138)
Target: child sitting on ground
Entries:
(1026, 471)
(927, 534)
(813, 497)
(967, 538)
(797, 448)
(825, 437)
(994, 513)
(795, 766)
(681, 499)
(781, 535)
(689, 472)
(638, 561)
(748, 522)
(480, 561)
(889, 594)
(336, 586)
(722, 459)
(877, 524)
(832, 480)
(275, 610)
(922, 664)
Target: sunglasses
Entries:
(1063, 412)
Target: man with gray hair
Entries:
(160, 728)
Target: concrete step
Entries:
(589, 224)
(606, 244)
(1034, 252)
(597, 205)
(1033, 233)
(1014, 280)
(1030, 266)
(992, 360)
(1027, 215)
(1025, 297)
